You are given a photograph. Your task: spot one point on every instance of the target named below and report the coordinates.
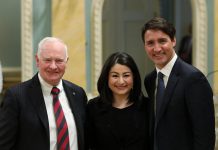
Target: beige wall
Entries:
(68, 23)
(215, 86)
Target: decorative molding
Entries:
(11, 69)
(96, 41)
(26, 38)
(199, 10)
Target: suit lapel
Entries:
(38, 101)
(171, 84)
(71, 96)
(70, 93)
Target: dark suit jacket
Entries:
(23, 117)
(186, 117)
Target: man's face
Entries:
(52, 62)
(159, 47)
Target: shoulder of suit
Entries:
(22, 85)
(72, 85)
(186, 72)
(186, 69)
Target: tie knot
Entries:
(55, 91)
(160, 75)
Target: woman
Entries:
(117, 118)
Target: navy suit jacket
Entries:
(186, 118)
(23, 117)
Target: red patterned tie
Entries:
(61, 124)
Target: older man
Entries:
(45, 112)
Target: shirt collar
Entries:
(166, 70)
(47, 87)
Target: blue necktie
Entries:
(160, 92)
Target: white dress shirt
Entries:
(166, 70)
(46, 90)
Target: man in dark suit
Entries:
(28, 120)
(183, 117)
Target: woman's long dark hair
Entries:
(121, 58)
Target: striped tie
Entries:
(61, 124)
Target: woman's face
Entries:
(120, 80)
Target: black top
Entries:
(111, 128)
